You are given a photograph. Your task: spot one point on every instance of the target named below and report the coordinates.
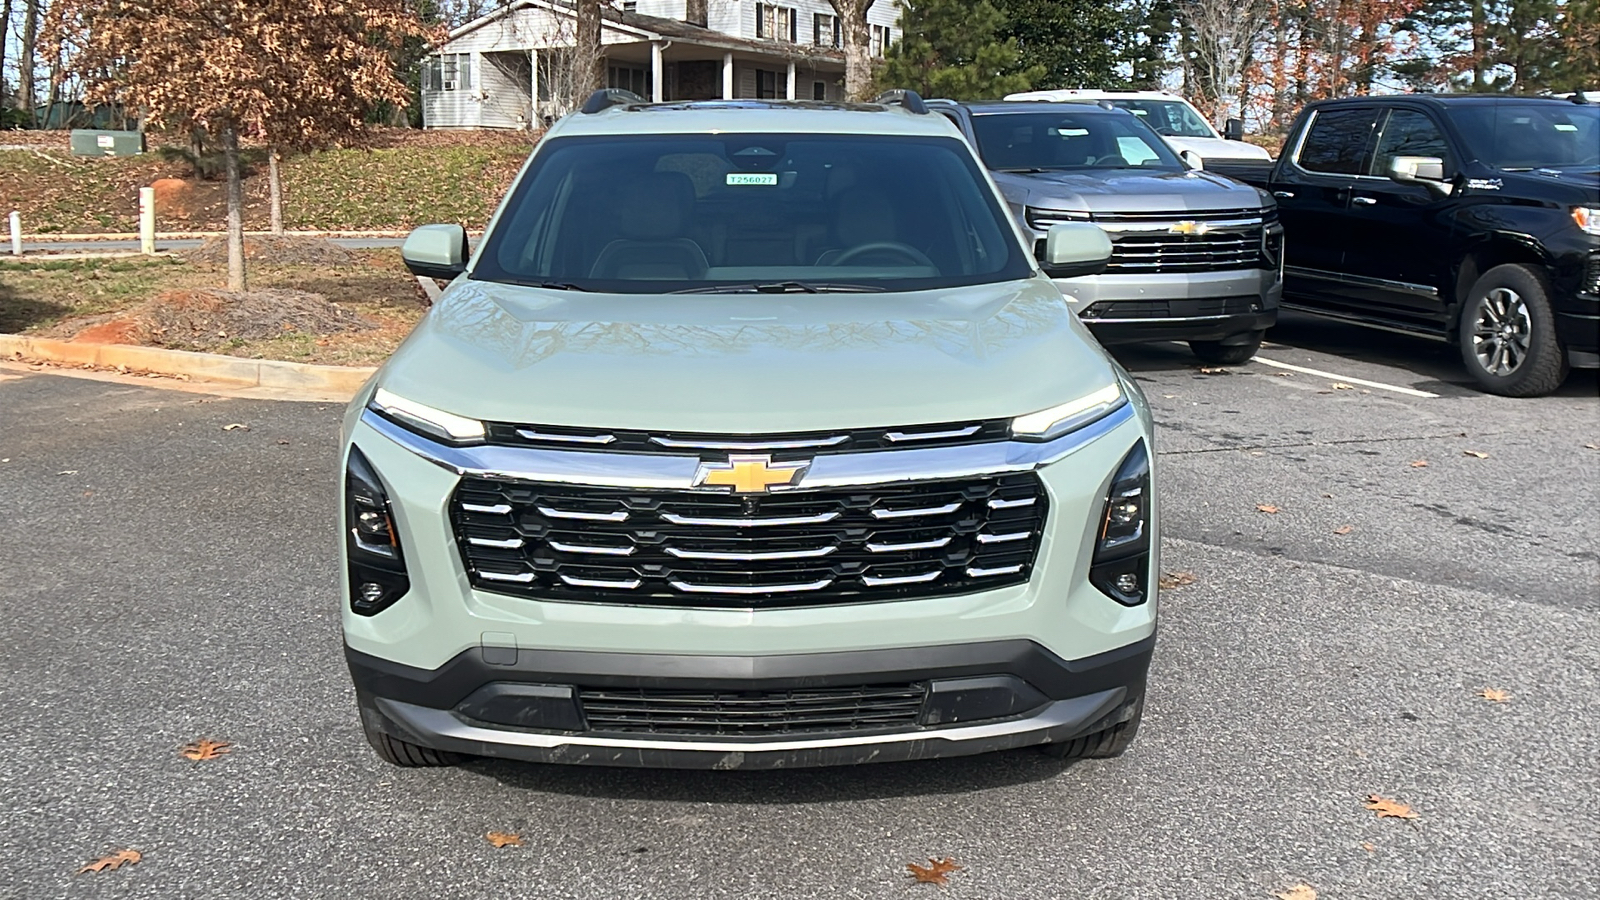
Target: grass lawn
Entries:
(56, 298)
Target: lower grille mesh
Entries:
(753, 713)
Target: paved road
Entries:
(163, 580)
(166, 246)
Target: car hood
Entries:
(747, 363)
(1128, 190)
(1578, 187)
(1217, 148)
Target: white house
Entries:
(513, 68)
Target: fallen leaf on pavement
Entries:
(1343, 529)
(114, 861)
(1477, 454)
(1419, 464)
(1282, 374)
(1389, 809)
(1267, 508)
(1585, 446)
(236, 426)
(1171, 580)
(283, 443)
(1368, 846)
(936, 872)
(1301, 891)
(504, 839)
(1495, 695)
(68, 472)
(206, 748)
(1215, 370)
(1341, 386)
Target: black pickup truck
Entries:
(1466, 218)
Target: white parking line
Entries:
(1410, 392)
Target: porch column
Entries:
(533, 87)
(657, 73)
(727, 76)
(791, 79)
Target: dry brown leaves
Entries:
(206, 748)
(1475, 454)
(1591, 446)
(1389, 809)
(1170, 580)
(503, 839)
(1494, 695)
(1267, 508)
(1343, 529)
(114, 861)
(1341, 386)
(1301, 891)
(1419, 464)
(937, 871)
(1215, 370)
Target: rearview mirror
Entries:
(436, 251)
(1076, 248)
(1192, 159)
(1424, 170)
(1233, 130)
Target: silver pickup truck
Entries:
(1195, 257)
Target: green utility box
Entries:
(94, 142)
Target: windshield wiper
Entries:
(784, 287)
(1023, 170)
(547, 285)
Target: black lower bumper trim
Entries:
(1133, 331)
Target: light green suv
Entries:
(751, 435)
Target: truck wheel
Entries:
(1228, 354)
(1112, 742)
(407, 755)
(1507, 333)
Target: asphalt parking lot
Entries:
(164, 579)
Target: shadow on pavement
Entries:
(871, 781)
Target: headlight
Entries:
(435, 422)
(1588, 218)
(1122, 548)
(1048, 424)
(376, 564)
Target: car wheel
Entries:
(1107, 744)
(407, 755)
(1228, 354)
(1507, 334)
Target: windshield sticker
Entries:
(765, 178)
(1562, 126)
(1484, 184)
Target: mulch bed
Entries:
(212, 319)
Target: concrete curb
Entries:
(233, 370)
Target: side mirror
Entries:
(1424, 170)
(1076, 248)
(436, 251)
(1233, 130)
(1192, 159)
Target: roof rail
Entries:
(605, 98)
(911, 100)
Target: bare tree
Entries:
(26, 53)
(5, 25)
(592, 76)
(1222, 37)
(857, 36)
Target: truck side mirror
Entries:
(1076, 248)
(436, 251)
(1233, 129)
(1192, 159)
(1424, 170)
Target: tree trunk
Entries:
(275, 190)
(25, 56)
(5, 25)
(589, 67)
(1480, 48)
(857, 37)
(230, 152)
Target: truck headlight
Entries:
(1121, 568)
(1048, 424)
(432, 422)
(1588, 218)
(377, 567)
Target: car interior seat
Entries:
(651, 212)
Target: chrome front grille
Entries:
(701, 548)
(1148, 242)
(620, 440)
(753, 713)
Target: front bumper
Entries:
(1202, 306)
(980, 697)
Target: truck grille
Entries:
(753, 713)
(704, 549)
(1146, 243)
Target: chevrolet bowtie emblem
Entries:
(1190, 228)
(750, 474)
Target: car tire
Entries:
(1107, 744)
(407, 755)
(1227, 353)
(1507, 333)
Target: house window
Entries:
(776, 23)
(630, 5)
(448, 72)
(766, 85)
(825, 30)
(819, 90)
(629, 79)
(880, 40)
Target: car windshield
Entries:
(1167, 117)
(1523, 136)
(764, 213)
(1070, 140)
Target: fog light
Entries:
(1127, 582)
(372, 592)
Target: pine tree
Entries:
(1075, 41)
(953, 49)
